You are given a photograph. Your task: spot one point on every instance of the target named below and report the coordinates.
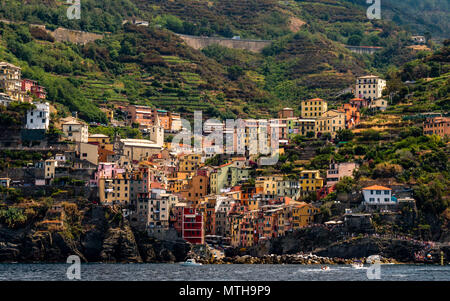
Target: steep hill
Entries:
(152, 66)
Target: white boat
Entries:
(358, 265)
(325, 268)
(190, 262)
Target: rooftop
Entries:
(376, 187)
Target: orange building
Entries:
(207, 208)
(196, 189)
(145, 116)
(352, 115)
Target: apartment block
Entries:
(369, 87)
(313, 108)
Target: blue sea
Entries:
(231, 272)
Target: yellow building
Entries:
(310, 181)
(139, 149)
(176, 185)
(303, 215)
(114, 191)
(109, 114)
(330, 122)
(10, 81)
(99, 139)
(50, 167)
(269, 185)
(190, 162)
(313, 108)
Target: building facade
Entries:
(39, 117)
(437, 126)
(313, 108)
(369, 87)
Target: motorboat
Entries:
(190, 262)
(325, 268)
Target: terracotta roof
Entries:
(226, 164)
(236, 188)
(156, 185)
(376, 187)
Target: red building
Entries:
(27, 84)
(192, 227)
(31, 86)
(39, 92)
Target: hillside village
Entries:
(226, 131)
(203, 195)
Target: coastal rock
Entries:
(120, 246)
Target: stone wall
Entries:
(74, 36)
(202, 42)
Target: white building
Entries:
(60, 158)
(370, 86)
(378, 105)
(378, 196)
(39, 118)
(419, 39)
(76, 131)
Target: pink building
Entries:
(27, 84)
(339, 170)
(32, 86)
(105, 170)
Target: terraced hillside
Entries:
(152, 66)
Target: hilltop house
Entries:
(378, 197)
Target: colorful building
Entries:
(330, 122)
(193, 226)
(313, 108)
(310, 181)
(337, 171)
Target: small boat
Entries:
(358, 265)
(325, 268)
(190, 262)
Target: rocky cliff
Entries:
(100, 236)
